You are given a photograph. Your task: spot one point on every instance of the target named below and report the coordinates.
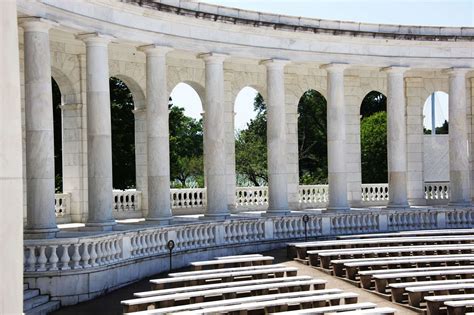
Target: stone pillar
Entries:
(336, 133)
(41, 218)
(276, 138)
(396, 137)
(459, 179)
(99, 133)
(158, 166)
(11, 173)
(214, 136)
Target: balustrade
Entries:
(251, 197)
(127, 200)
(437, 191)
(62, 204)
(374, 192)
(316, 195)
(188, 198)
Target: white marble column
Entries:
(41, 219)
(11, 173)
(459, 179)
(276, 138)
(336, 135)
(99, 133)
(396, 137)
(158, 166)
(214, 136)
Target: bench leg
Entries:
(313, 260)
(301, 252)
(397, 294)
(414, 298)
(291, 273)
(433, 308)
(325, 262)
(351, 272)
(461, 310)
(352, 300)
(380, 285)
(338, 269)
(365, 281)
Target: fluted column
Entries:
(99, 133)
(336, 135)
(396, 137)
(459, 179)
(214, 136)
(158, 166)
(276, 138)
(41, 219)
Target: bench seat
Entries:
(238, 256)
(239, 262)
(372, 311)
(458, 307)
(416, 294)
(328, 309)
(398, 289)
(409, 233)
(233, 269)
(436, 302)
(140, 304)
(249, 299)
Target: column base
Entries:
(215, 216)
(398, 206)
(100, 226)
(159, 221)
(276, 213)
(40, 233)
(338, 209)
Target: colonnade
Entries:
(39, 134)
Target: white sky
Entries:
(408, 12)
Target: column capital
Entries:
(212, 57)
(95, 39)
(335, 67)
(67, 107)
(395, 69)
(455, 71)
(275, 63)
(36, 24)
(155, 50)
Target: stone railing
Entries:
(251, 197)
(374, 193)
(188, 198)
(437, 191)
(316, 195)
(62, 204)
(127, 203)
(115, 247)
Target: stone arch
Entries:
(194, 77)
(138, 94)
(69, 95)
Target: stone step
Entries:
(25, 286)
(44, 309)
(34, 302)
(30, 293)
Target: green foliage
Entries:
(443, 130)
(312, 138)
(123, 135)
(373, 102)
(251, 148)
(373, 136)
(186, 149)
(57, 121)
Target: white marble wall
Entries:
(436, 158)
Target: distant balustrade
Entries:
(437, 191)
(252, 197)
(127, 201)
(188, 198)
(62, 204)
(316, 195)
(374, 193)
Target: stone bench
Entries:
(303, 248)
(281, 305)
(235, 262)
(399, 289)
(366, 276)
(234, 269)
(141, 304)
(324, 257)
(408, 233)
(329, 309)
(458, 307)
(238, 256)
(158, 284)
(249, 299)
(435, 303)
(373, 311)
(381, 281)
(416, 294)
(218, 285)
(352, 267)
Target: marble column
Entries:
(11, 173)
(214, 136)
(396, 137)
(40, 181)
(459, 179)
(99, 133)
(276, 138)
(336, 134)
(158, 156)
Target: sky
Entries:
(407, 12)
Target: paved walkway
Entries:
(110, 303)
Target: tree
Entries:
(251, 148)
(373, 102)
(373, 138)
(58, 152)
(123, 135)
(312, 138)
(186, 148)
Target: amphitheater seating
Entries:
(233, 288)
(431, 271)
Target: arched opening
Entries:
(123, 135)
(312, 138)
(186, 138)
(436, 140)
(58, 140)
(373, 138)
(436, 114)
(250, 138)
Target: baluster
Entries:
(85, 256)
(42, 260)
(76, 258)
(53, 258)
(31, 261)
(65, 258)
